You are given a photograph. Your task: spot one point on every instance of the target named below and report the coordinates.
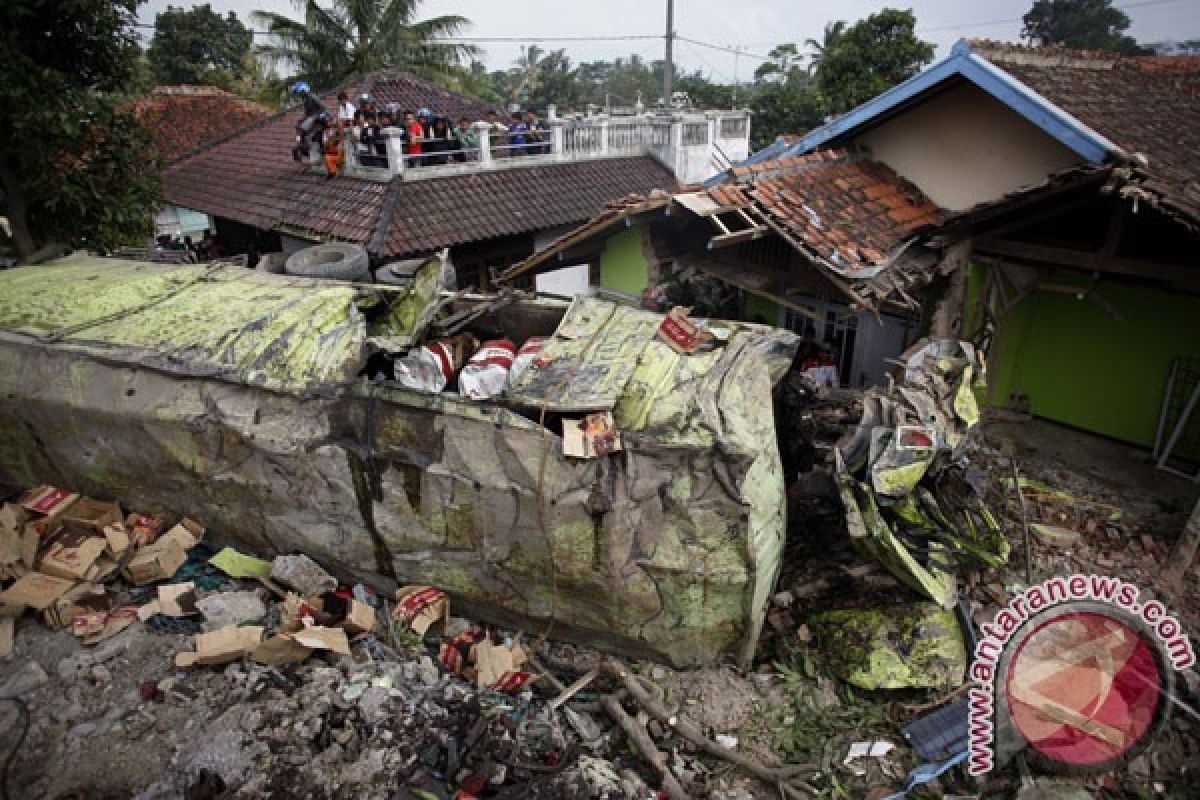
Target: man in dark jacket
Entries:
(309, 129)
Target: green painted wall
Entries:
(623, 266)
(755, 306)
(1081, 366)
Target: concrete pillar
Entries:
(558, 138)
(675, 148)
(395, 155)
(604, 137)
(485, 143)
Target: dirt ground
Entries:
(389, 721)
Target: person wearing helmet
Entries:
(308, 129)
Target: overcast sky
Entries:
(751, 25)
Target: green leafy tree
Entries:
(817, 50)
(705, 94)
(199, 46)
(350, 37)
(784, 107)
(1080, 24)
(869, 57)
(785, 60)
(73, 165)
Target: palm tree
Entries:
(351, 37)
(833, 33)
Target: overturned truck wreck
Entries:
(264, 406)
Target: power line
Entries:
(982, 23)
(732, 50)
(518, 39)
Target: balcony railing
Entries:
(692, 146)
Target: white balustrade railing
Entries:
(676, 141)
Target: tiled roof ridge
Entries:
(193, 89)
(789, 164)
(1062, 56)
(1053, 55)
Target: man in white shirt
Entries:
(346, 109)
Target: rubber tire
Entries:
(1161, 714)
(337, 261)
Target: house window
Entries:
(695, 133)
(733, 127)
(836, 331)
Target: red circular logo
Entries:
(1083, 688)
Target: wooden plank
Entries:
(1095, 262)
(737, 237)
(1184, 553)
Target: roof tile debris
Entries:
(846, 209)
(1149, 106)
(251, 178)
(182, 119)
(847, 214)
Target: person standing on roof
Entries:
(346, 109)
(413, 135)
(334, 147)
(518, 134)
(308, 130)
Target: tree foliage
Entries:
(870, 57)
(73, 162)
(349, 37)
(200, 46)
(1080, 24)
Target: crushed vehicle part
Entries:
(910, 503)
(243, 400)
(898, 647)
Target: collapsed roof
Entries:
(853, 219)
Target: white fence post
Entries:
(557, 138)
(485, 143)
(604, 137)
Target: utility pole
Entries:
(669, 67)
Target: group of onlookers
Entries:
(428, 139)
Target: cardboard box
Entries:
(222, 646)
(177, 599)
(280, 650)
(158, 562)
(117, 537)
(35, 590)
(360, 618)
(421, 607)
(48, 501)
(91, 516)
(144, 528)
(84, 598)
(72, 554)
(187, 534)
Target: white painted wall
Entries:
(963, 147)
(568, 281)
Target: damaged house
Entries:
(1043, 202)
(820, 244)
(490, 211)
(1069, 189)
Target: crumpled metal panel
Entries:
(667, 549)
(224, 321)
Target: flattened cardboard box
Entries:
(91, 516)
(222, 646)
(48, 501)
(72, 555)
(157, 562)
(35, 590)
